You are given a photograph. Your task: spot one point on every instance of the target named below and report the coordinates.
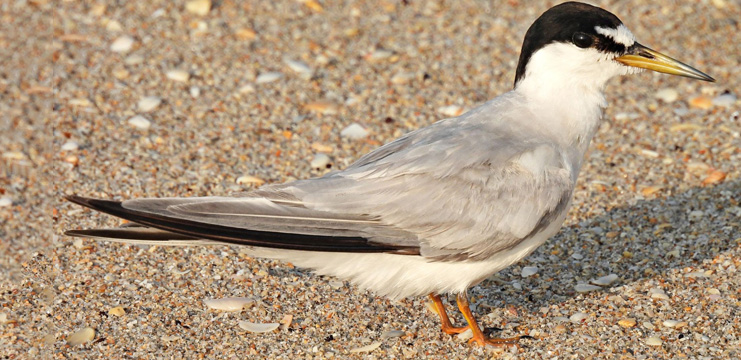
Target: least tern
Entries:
(441, 208)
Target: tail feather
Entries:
(187, 230)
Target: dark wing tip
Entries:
(238, 236)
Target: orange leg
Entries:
(447, 326)
(478, 335)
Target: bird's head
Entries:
(582, 44)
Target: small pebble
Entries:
(402, 78)
(229, 304)
(148, 103)
(658, 294)
(578, 317)
(367, 348)
(450, 110)
(354, 132)
(134, 59)
(379, 54)
(121, 73)
(113, 26)
(268, 77)
(122, 44)
(725, 100)
(696, 215)
(701, 102)
(194, 91)
(258, 328)
(336, 284)
(5, 202)
(246, 89)
(577, 256)
(178, 75)
(70, 146)
(248, 179)
(80, 102)
(654, 341)
(285, 323)
(299, 67)
(627, 323)
(319, 147)
(392, 334)
(648, 325)
(246, 34)
(667, 95)
(605, 280)
(3, 318)
(72, 159)
(528, 271)
(117, 311)
(170, 338)
(321, 162)
(81, 336)
(322, 107)
(584, 288)
(140, 122)
(685, 127)
(464, 336)
(650, 190)
(560, 328)
(198, 7)
(716, 176)
(674, 323)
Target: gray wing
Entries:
(460, 188)
(469, 198)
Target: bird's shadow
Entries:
(639, 241)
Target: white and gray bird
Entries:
(441, 208)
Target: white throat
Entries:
(563, 85)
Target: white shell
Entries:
(392, 334)
(148, 103)
(298, 66)
(70, 146)
(450, 110)
(198, 7)
(354, 132)
(578, 317)
(81, 336)
(605, 280)
(178, 75)
(258, 328)
(670, 323)
(367, 348)
(528, 271)
(667, 95)
(122, 44)
(654, 341)
(248, 179)
(583, 288)
(320, 161)
(726, 100)
(229, 304)
(140, 122)
(268, 77)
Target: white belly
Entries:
(400, 276)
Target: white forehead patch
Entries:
(621, 35)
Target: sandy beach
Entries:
(119, 100)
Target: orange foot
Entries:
(478, 336)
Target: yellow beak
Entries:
(642, 57)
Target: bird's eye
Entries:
(582, 40)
